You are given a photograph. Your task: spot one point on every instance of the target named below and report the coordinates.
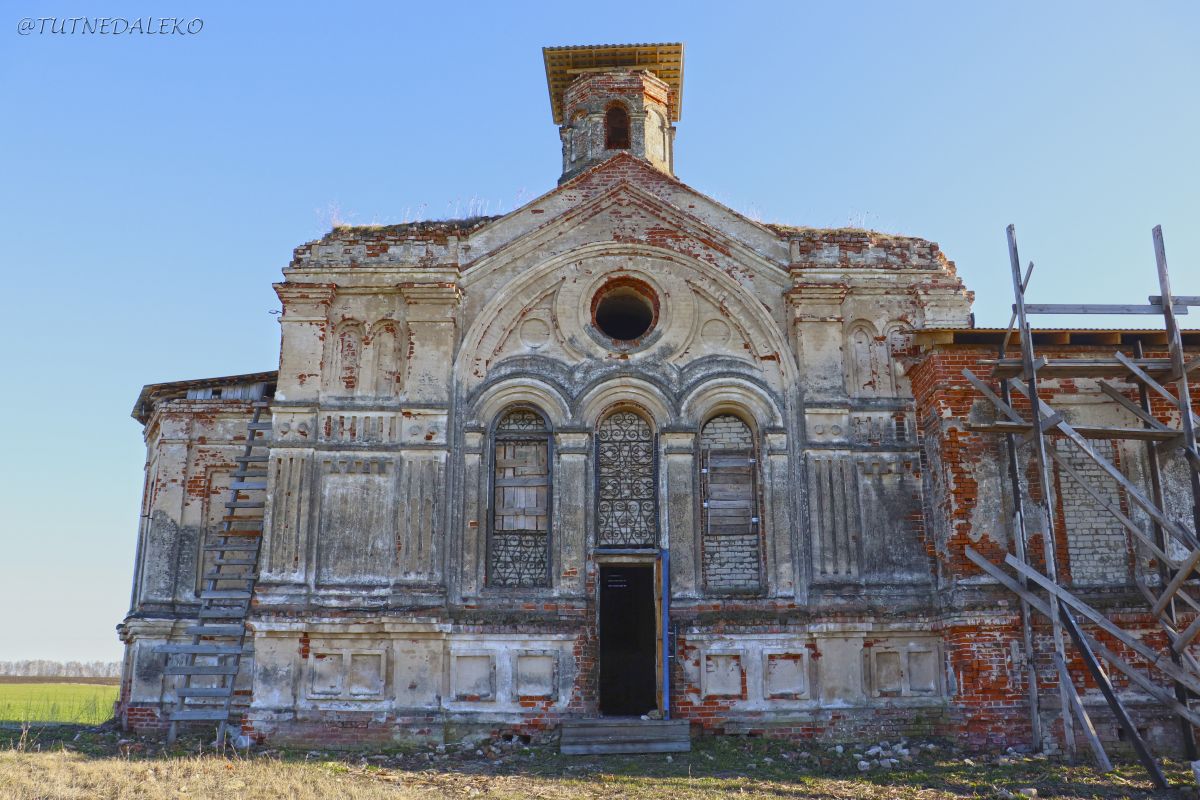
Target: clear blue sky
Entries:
(151, 188)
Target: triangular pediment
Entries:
(624, 200)
(625, 179)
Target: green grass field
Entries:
(78, 703)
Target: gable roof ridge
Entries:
(665, 208)
(608, 163)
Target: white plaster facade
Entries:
(402, 349)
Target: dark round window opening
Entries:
(625, 312)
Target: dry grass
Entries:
(98, 765)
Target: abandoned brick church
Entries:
(619, 452)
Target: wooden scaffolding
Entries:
(1170, 542)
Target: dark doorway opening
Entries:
(627, 641)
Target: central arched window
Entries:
(627, 477)
(616, 128)
(519, 545)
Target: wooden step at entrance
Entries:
(624, 735)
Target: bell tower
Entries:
(609, 98)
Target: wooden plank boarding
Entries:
(624, 735)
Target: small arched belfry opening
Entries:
(616, 128)
(626, 481)
(731, 534)
(519, 534)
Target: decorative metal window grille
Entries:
(521, 420)
(518, 552)
(627, 494)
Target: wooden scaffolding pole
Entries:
(1046, 486)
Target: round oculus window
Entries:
(625, 310)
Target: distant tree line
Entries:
(41, 668)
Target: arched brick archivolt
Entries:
(648, 398)
(744, 398)
(523, 390)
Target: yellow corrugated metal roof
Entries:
(565, 64)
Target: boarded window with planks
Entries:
(519, 545)
(731, 537)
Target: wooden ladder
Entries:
(218, 635)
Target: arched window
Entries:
(519, 545)
(731, 534)
(627, 478)
(616, 128)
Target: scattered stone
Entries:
(1028, 792)
(968, 762)
(839, 749)
(863, 766)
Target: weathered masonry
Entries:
(619, 450)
